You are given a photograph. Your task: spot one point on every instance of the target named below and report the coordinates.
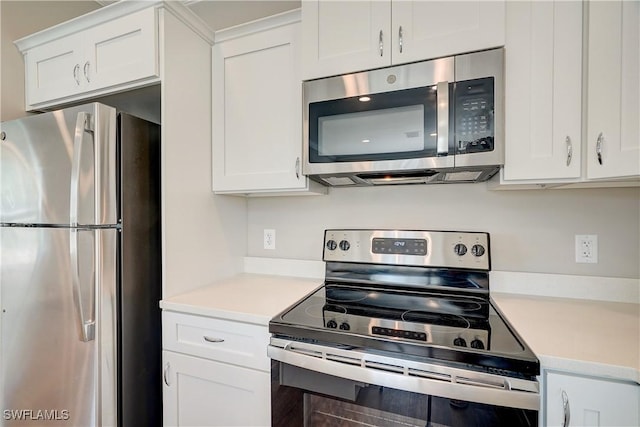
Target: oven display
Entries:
(381, 245)
(398, 333)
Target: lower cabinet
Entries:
(201, 392)
(216, 372)
(574, 400)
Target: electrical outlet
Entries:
(587, 248)
(269, 238)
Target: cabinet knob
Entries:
(165, 374)
(400, 38)
(381, 44)
(76, 74)
(599, 147)
(569, 150)
(86, 69)
(297, 167)
(566, 408)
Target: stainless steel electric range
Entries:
(402, 332)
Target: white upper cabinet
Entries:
(257, 109)
(543, 95)
(340, 37)
(432, 29)
(346, 36)
(554, 93)
(613, 91)
(85, 57)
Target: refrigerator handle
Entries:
(83, 124)
(87, 322)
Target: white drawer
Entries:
(226, 341)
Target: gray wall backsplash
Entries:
(531, 230)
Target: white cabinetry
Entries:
(543, 95)
(613, 91)
(216, 372)
(257, 110)
(76, 62)
(573, 400)
(554, 94)
(346, 36)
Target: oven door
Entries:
(390, 119)
(315, 385)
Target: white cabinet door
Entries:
(200, 392)
(613, 135)
(257, 113)
(53, 69)
(543, 95)
(345, 36)
(590, 401)
(432, 29)
(121, 51)
(342, 37)
(119, 54)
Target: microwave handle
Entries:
(443, 118)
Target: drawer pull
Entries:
(211, 339)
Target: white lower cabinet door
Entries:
(573, 400)
(200, 392)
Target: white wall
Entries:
(531, 231)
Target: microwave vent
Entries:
(467, 176)
(338, 181)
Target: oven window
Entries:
(384, 126)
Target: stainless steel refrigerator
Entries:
(80, 269)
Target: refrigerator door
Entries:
(51, 374)
(59, 167)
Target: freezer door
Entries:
(52, 375)
(59, 167)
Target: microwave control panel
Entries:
(474, 115)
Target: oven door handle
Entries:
(352, 367)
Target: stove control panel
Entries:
(451, 249)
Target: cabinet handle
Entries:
(599, 147)
(298, 167)
(400, 38)
(569, 150)
(212, 339)
(86, 69)
(165, 374)
(381, 43)
(567, 409)
(76, 74)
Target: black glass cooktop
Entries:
(455, 328)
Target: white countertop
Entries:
(589, 337)
(249, 298)
(586, 337)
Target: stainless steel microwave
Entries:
(437, 121)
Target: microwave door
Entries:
(394, 119)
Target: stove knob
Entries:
(332, 245)
(332, 324)
(460, 249)
(459, 342)
(344, 245)
(345, 326)
(477, 344)
(477, 250)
